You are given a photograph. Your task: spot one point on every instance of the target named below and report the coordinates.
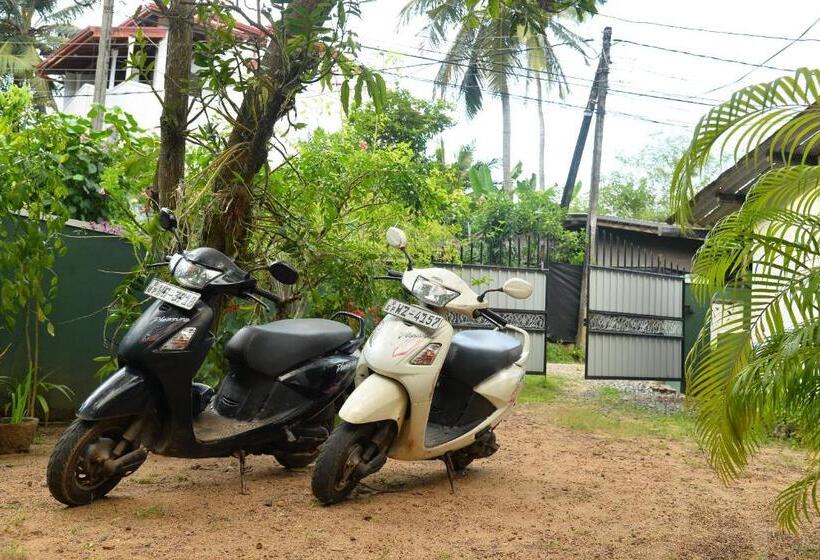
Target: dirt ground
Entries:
(550, 492)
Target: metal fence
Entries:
(518, 252)
(635, 325)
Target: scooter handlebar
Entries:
(267, 295)
(492, 316)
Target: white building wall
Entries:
(317, 108)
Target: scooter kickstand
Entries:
(242, 487)
(448, 462)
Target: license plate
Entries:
(413, 314)
(172, 294)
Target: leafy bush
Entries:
(341, 196)
(564, 353)
(52, 168)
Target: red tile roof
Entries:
(128, 28)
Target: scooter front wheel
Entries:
(343, 461)
(75, 472)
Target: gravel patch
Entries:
(653, 395)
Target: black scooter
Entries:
(286, 381)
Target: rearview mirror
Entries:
(396, 238)
(283, 273)
(517, 288)
(167, 220)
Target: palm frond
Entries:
(443, 15)
(18, 60)
(785, 109)
(67, 15)
(471, 89)
(794, 503)
(758, 358)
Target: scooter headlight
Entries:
(433, 294)
(190, 274)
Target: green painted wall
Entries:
(694, 317)
(88, 274)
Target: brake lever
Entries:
(258, 300)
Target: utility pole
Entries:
(101, 72)
(602, 81)
(581, 142)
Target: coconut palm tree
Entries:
(28, 30)
(490, 49)
(544, 68)
(758, 362)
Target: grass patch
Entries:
(625, 421)
(13, 551)
(144, 480)
(151, 512)
(607, 412)
(564, 353)
(541, 389)
(609, 396)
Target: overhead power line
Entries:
(585, 81)
(546, 101)
(706, 30)
(701, 55)
(769, 59)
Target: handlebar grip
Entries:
(267, 295)
(394, 273)
(493, 316)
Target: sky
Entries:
(643, 76)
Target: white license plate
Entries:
(172, 294)
(413, 314)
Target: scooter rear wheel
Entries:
(291, 460)
(75, 477)
(334, 476)
(295, 460)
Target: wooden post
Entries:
(601, 79)
(101, 72)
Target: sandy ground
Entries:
(549, 492)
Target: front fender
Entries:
(375, 399)
(125, 393)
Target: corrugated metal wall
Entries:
(529, 314)
(637, 293)
(635, 325)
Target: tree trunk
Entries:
(269, 99)
(542, 139)
(506, 136)
(174, 119)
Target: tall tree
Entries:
(544, 68)
(290, 61)
(174, 119)
(30, 29)
(760, 359)
(492, 45)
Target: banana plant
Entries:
(759, 360)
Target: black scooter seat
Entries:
(476, 355)
(274, 348)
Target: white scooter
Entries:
(424, 392)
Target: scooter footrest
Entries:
(438, 434)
